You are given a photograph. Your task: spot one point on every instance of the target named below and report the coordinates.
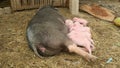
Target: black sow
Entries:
(47, 34)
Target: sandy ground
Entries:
(15, 53)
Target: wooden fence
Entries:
(30, 4)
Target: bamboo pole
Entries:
(18, 4)
(12, 4)
(32, 3)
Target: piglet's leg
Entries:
(79, 51)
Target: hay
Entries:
(15, 53)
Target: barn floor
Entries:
(15, 53)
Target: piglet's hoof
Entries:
(90, 57)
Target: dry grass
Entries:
(15, 53)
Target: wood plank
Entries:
(98, 11)
(28, 4)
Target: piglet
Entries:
(80, 34)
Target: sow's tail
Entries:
(31, 45)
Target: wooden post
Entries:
(74, 7)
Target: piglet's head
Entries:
(77, 24)
(69, 23)
(80, 20)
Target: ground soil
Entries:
(15, 53)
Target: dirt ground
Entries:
(15, 53)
